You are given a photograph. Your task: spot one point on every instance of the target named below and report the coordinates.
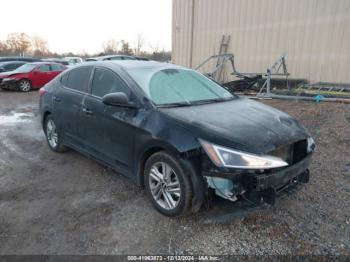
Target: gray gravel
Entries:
(68, 204)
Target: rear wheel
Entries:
(52, 136)
(167, 185)
(24, 86)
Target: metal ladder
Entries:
(225, 42)
(274, 70)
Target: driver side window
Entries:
(106, 82)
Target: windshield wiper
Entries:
(179, 104)
(214, 100)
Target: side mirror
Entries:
(118, 99)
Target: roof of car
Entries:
(108, 56)
(13, 62)
(43, 63)
(130, 64)
(19, 58)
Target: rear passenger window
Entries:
(106, 82)
(64, 79)
(44, 68)
(56, 67)
(78, 79)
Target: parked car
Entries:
(57, 60)
(141, 58)
(30, 76)
(19, 58)
(175, 132)
(73, 60)
(111, 57)
(9, 66)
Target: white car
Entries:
(74, 60)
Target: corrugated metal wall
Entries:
(315, 34)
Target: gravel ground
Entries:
(69, 204)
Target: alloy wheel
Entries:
(24, 86)
(164, 185)
(51, 133)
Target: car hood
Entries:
(242, 124)
(10, 73)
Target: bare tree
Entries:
(154, 47)
(40, 46)
(140, 42)
(126, 49)
(110, 47)
(3, 48)
(19, 43)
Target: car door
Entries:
(67, 100)
(40, 75)
(56, 69)
(109, 129)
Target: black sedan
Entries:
(19, 58)
(10, 66)
(175, 132)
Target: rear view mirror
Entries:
(117, 99)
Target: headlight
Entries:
(8, 79)
(226, 157)
(310, 144)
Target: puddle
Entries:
(15, 118)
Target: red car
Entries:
(30, 76)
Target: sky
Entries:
(83, 25)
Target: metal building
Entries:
(315, 35)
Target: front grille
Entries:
(291, 153)
(299, 150)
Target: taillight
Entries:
(42, 91)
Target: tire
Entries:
(53, 137)
(172, 196)
(24, 85)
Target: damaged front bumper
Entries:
(258, 187)
(9, 84)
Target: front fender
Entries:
(160, 133)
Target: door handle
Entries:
(56, 99)
(87, 111)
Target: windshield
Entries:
(178, 86)
(25, 68)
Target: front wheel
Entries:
(24, 86)
(167, 185)
(52, 136)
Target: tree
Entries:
(154, 47)
(140, 41)
(110, 47)
(125, 50)
(19, 43)
(40, 47)
(3, 48)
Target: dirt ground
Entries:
(69, 204)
